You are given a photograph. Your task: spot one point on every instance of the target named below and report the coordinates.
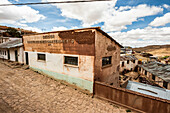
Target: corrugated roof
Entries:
(128, 57)
(148, 90)
(158, 69)
(11, 44)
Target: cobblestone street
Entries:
(25, 91)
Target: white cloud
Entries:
(120, 18)
(18, 14)
(88, 13)
(63, 28)
(32, 29)
(161, 21)
(114, 19)
(166, 6)
(142, 37)
(59, 28)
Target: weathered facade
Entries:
(156, 72)
(12, 50)
(128, 62)
(77, 56)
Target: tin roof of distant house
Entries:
(12, 44)
(148, 90)
(97, 28)
(128, 57)
(158, 69)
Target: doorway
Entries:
(16, 55)
(26, 58)
(8, 54)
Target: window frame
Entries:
(44, 60)
(165, 84)
(71, 65)
(110, 60)
(123, 64)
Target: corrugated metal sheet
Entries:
(13, 43)
(128, 57)
(148, 89)
(158, 69)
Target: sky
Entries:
(134, 23)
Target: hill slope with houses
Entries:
(156, 50)
(6, 31)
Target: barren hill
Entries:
(156, 50)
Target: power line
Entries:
(80, 1)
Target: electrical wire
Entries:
(61, 2)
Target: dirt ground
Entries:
(25, 91)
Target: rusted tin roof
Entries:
(148, 89)
(128, 57)
(158, 69)
(12, 44)
(97, 28)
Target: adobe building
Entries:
(78, 56)
(12, 50)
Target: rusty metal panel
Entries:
(66, 42)
(132, 100)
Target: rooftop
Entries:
(128, 57)
(13, 43)
(148, 90)
(158, 69)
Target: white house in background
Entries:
(12, 50)
(128, 62)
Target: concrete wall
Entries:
(12, 54)
(56, 45)
(81, 75)
(104, 47)
(2, 54)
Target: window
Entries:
(71, 60)
(127, 61)
(133, 61)
(153, 77)
(165, 84)
(41, 56)
(122, 64)
(106, 60)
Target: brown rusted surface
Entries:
(111, 48)
(130, 99)
(104, 47)
(65, 42)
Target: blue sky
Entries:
(131, 22)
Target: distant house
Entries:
(12, 50)
(148, 90)
(156, 72)
(128, 62)
(126, 51)
(6, 39)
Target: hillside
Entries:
(156, 50)
(13, 32)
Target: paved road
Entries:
(25, 91)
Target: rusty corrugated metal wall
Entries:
(130, 99)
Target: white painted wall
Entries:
(3, 55)
(55, 63)
(128, 66)
(12, 54)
